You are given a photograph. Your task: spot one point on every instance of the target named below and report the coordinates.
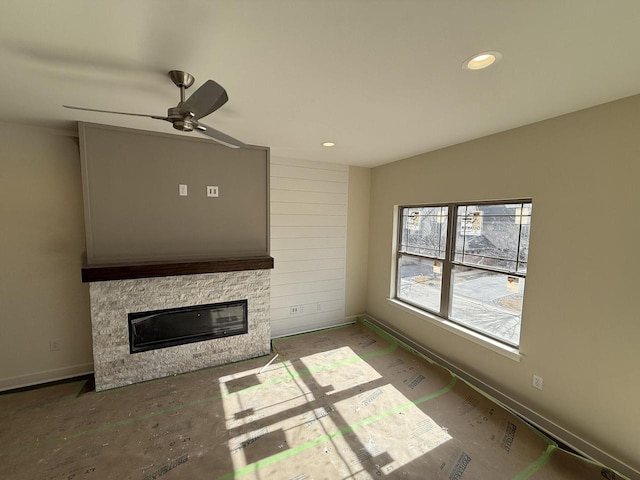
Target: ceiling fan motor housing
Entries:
(180, 120)
(183, 125)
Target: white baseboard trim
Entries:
(552, 429)
(347, 321)
(45, 376)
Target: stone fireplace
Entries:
(140, 289)
(156, 241)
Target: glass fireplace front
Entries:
(176, 326)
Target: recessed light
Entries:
(328, 144)
(481, 60)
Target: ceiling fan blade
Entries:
(119, 113)
(205, 100)
(218, 136)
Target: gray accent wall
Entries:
(133, 209)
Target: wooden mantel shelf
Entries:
(102, 273)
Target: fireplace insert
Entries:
(176, 326)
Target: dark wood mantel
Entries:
(101, 273)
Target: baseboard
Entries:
(347, 321)
(552, 429)
(46, 376)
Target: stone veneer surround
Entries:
(111, 301)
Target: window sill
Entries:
(504, 350)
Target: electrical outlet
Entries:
(318, 307)
(295, 310)
(182, 190)
(212, 191)
(54, 345)
(537, 382)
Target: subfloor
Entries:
(346, 403)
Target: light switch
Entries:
(183, 190)
(212, 191)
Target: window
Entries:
(466, 263)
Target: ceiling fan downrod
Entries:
(182, 80)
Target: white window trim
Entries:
(466, 333)
(508, 351)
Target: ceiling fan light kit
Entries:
(185, 116)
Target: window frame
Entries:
(448, 265)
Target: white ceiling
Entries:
(381, 78)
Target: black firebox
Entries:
(176, 326)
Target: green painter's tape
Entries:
(536, 464)
(338, 433)
(390, 338)
(340, 363)
(213, 398)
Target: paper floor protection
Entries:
(345, 403)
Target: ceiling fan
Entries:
(187, 114)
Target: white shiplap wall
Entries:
(308, 244)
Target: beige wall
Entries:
(357, 241)
(41, 245)
(580, 326)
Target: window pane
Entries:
(488, 302)
(493, 236)
(424, 231)
(524, 248)
(420, 281)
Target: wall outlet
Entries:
(537, 382)
(54, 345)
(212, 191)
(318, 307)
(295, 310)
(182, 190)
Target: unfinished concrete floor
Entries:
(346, 403)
